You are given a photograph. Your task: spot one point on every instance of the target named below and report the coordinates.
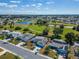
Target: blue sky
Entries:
(39, 6)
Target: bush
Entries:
(61, 26)
(25, 29)
(74, 28)
(55, 37)
(18, 28)
(1, 26)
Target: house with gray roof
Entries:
(26, 37)
(39, 41)
(58, 43)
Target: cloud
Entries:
(11, 6)
(8, 5)
(27, 5)
(15, 1)
(39, 4)
(3, 4)
(33, 5)
(50, 2)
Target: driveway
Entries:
(17, 50)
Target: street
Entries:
(21, 52)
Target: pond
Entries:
(29, 22)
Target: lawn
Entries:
(69, 24)
(9, 56)
(37, 29)
(67, 30)
(14, 41)
(34, 28)
(1, 37)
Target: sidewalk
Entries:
(27, 50)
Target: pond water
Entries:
(29, 22)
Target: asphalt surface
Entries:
(21, 52)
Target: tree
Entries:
(1, 26)
(12, 24)
(45, 32)
(62, 26)
(57, 32)
(25, 29)
(77, 28)
(74, 28)
(42, 22)
(5, 22)
(76, 37)
(39, 22)
(70, 38)
(18, 28)
(45, 50)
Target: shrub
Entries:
(18, 28)
(25, 29)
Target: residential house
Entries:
(26, 37)
(39, 41)
(60, 46)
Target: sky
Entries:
(39, 7)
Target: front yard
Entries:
(29, 45)
(8, 55)
(14, 41)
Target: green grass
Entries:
(1, 37)
(9, 56)
(69, 24)
(34, 28)
(67, 30)
(59, 22)
(14, 41)
(38, 29)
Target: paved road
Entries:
(21, 52)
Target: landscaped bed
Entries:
(9, 56)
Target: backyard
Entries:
(38, 29)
